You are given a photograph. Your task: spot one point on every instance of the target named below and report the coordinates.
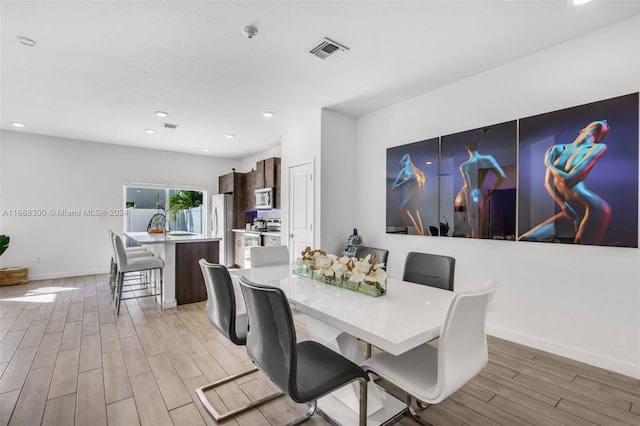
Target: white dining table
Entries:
(407, 316)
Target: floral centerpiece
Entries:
(363, 275)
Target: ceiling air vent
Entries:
(169, 126)
(328, 49)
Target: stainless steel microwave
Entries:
(265, 198)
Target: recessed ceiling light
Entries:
(580, 2)
(150, 131)
(267, 114)
(16, 124)
(25, 41)
(162, 114)
(205, 150)
(229, 136)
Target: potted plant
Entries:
(183, 200)
(11, 276)
(444, 227)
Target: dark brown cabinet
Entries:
(230, 182)
(278, 183)
(249, 187)
(259, 175)
(271, 175)
(271, 167)
(190, 286)
(234, 183)
(243, 185)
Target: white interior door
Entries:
(301, 206)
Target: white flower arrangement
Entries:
(342, 270)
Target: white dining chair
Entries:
(428, 374)
(132, 252)
(127, 264)
(269, 255)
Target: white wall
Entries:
(301, 144)
(249, 163)
(578, 301)
(338, 185)
(42, 172)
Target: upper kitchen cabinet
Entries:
(231, 183)
(271, 172)
(250, 179)
(268, 176)
(235, 183)
(278, 183)
(259, 175)
(266, 172)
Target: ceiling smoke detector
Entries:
(26, 41)
(328, 49)
(250, 31)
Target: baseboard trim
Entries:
(617, 366)
(170, 304)
(67, 274)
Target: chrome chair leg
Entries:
(222, 417)
(364, 388)
(152, 287)
(414, 405)
(313, 408)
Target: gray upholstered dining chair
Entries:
(429, 269)
(221, 313)
(428, 374)
(269, 256)
(305, 371)
(381, 254)
(381, 257)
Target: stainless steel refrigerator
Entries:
(221, 224)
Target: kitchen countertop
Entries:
(168, 238)
(255, 231)
(272, 233)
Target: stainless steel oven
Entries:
(251, 239)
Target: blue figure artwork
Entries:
(567, 167)
(413, 181)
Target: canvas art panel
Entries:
(412, 188)
(478, 175)
(579, 174)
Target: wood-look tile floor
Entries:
(66, 359)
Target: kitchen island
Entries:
(181, 251)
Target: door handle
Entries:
(290, 235)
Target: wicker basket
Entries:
(13, 276)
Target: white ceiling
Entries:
(101, 68)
